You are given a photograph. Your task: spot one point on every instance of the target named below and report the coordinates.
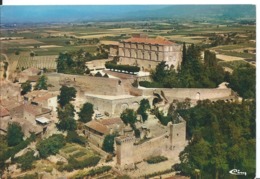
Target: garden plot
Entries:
(188, 39)
(48, 62)
(76, 151)
(22, 42)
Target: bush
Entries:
(74, 164)
(51, 145)
(127, 68)
(99, 170)
(14, 134)
(148, 84)
(98, 74)
(26, 161)
(10, 153)
(106, 75)
(156, 159)
(73, 137)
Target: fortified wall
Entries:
(89, 84)
(128, 153)
(192, 93)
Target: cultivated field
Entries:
(77, 152)
(48, 62)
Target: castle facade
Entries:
(146, 52)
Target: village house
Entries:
(4, 119)
(96, 130)
(30, 74)
(43, 98)
(10, 91)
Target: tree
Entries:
(144, 106)
(221, 137)
(51, 145)
(108, 144)
(160, 72)
(14, 134)
(32, 54)
(67, 94)
(41, 83)
(26, 87)
(72, 136)
(26, 160)
(184, 55)
(243, 80)
(66, 118)
(129, 117)
(210, 59)
(86, 113)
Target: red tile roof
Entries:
(157, 40)
(97, 127)
(4, 112)
(111, 121)
(43, 98)
(35, 110)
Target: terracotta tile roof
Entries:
(97, 127)
(4, 112)
(157, 40)
(35, 110)
(9, 103)
(111, 121)
(28, 126)
(33, 78)
(36, 93)
(43, 98)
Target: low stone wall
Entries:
(94, 85)
(192, 93)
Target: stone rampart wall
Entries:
(192, 93)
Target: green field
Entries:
(76, 151)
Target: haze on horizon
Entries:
(43, 14)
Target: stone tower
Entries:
(177, 134)
(124, 151)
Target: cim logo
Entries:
(236, 172)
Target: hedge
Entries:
(148, 84)
(127, 68)
(99, 170)
(75, 164)
(156, 159)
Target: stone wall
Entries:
(128, 153)
(92, 85)
(192, 93)
(114, 106)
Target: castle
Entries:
(147, 53)
(155, 140)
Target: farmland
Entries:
(231, 41)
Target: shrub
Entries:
(99, 170)
(98, 74)
(73, 137)
(51, 145)
(156, 159)
(127, 68)
(75, 164)
(106, 75)
(26, 161)
(148, 84)
(16, 149)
